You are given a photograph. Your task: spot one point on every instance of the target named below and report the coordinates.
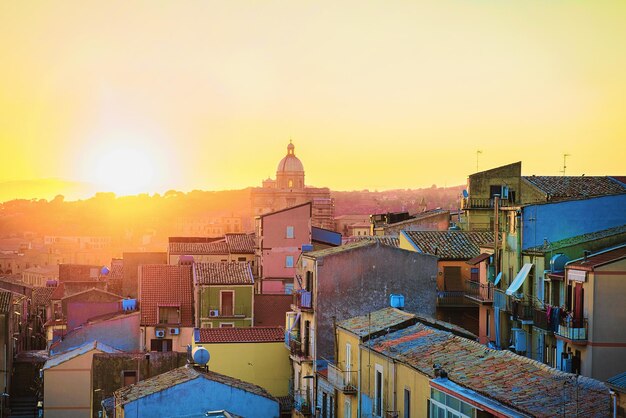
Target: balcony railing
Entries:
(304, 300)
(540, 319)
(343, 380)
(451, 298)
(300, 350)
(483, 203)
(302, 403)
(521, 310)
(573, 329)
(478, 292)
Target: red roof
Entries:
(270, 310)
(218, 273)
(598, 259)
(239, 335)
(164, 285)
(240, 243)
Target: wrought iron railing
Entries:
(521, 309)
(302, 402)
(540, 319)
(451, 297)
(299, 349)
(482, 292)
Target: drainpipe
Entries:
(358, 392)
(614, 398)
(496, 227)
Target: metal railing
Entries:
(521, 309)
(483, 203)
(343, 380)
(540, 319)
(299, 349)
(451, 297)
(482, 292)
(573, 329)
(302, 402)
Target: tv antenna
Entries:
(478, 152)
(565, 162)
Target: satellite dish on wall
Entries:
(200, 356)
(465, 194)
(104, 271)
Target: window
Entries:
(487, 321)
(407, 403)
(444, 405)
(290, 183)
(169, 315)
(227, 324)
(348, 367)
(290, 232)
(475, 275)
(241, 258)
(161, 345)
(129, 377)
(289, 261)
(347, 412)
(378, 391)
(288, 288)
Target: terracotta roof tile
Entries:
(204, 248)
(41, 295)
(164, 285)
(181, 375)
(499, 375)
(6, 299)
(598, 259)
(239, 335)
(384, 240)
(376, 321)
(218, 273)
(449, 245)
(570, 187)
(240, 243)
(578, 239)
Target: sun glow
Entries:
(124, 171)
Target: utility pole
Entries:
(565, 162)
(478, 152)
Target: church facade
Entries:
(289, 189)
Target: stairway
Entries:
(23, 407)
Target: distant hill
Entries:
(45, 189)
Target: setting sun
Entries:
(124, 171)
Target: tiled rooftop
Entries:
(384, 240)
(75, 352)
(598, 259)
(449, 245)
(219, 273)
(240, 243)
(41, 295)
(6, 299)
(204, 248)
(164, 285)
(181, 375)
(340, 249)
(377, 321)
(570, 187)
(618, 382)
(579, 239)
(512, 380)
(239, 335)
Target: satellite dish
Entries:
(104, 271)
(200, 356)
(465, 194)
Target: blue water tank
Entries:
(307, 247)
(396, 301)
(200, 355)
(557, 263)
(129, 304)
(104, 271)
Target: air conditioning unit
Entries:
(174, 331)
(214, 312)
(160, 333)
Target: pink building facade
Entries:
(280, 237)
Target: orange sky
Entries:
(379, 95)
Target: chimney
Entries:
(586, 253)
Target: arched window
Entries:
(290, 183)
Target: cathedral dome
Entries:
(290, 163)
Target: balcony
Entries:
(521, 310)
(452, 298)
(298, 350)
(343, 380)
(540, 319)
(304, 300)
(483, 203)
(477, 292)
(573, 330)
(302, 403)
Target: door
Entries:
(579, 296)
(226, 308)
(348, 364)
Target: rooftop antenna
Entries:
(478, 152)
(565, 162)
